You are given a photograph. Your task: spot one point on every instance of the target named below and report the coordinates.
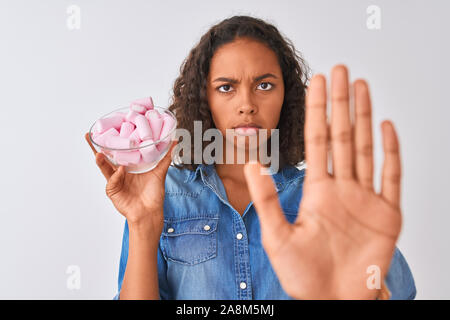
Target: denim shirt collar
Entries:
(207, 172)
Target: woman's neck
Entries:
(234, 170)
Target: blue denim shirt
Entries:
(207, 250)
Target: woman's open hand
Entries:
(138, 197)
(343, 226)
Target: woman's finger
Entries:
(341, 127)
(274, 226)
(316, 135)
(363, 135)
(104, 165)
(391, 176)
(115, 183)
(86, 136)
(161, 169)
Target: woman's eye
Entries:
(266, 86)
(226, 86)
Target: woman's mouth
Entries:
(246, 131)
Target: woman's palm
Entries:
(341, 231)
(138, 192)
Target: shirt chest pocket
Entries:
(190, 241)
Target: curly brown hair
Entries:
(189, 102)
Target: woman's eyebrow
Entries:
(255, 79)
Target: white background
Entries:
(54, 82)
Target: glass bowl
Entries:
(114, 155)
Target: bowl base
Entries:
(145, 167)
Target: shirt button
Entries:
(239, 236)
(170, 230)
(206, 227)
(243, 285)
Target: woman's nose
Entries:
(247, 106)
(247, 109)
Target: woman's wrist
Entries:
(145, 230)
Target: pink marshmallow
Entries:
(138, 108)
(104, 124)
(100, 138)
(131, 116)
(149, 153)
(143, 127)
(156, 123)
(161, 146)
(135, 136)
(117, 142)
(126, 129)
(146, 102)
(120, 114)
(169, 122)
(152, 113)
(126, 158)
(168, 125)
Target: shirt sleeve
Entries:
(399, 279)
(164, 290)
(123, 259)
(162, 267)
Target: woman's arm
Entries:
(141, 274)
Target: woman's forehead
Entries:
(245, 58)
(243, 48)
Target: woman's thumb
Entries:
(115, 182)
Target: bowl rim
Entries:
(135, 148)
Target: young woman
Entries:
(226, 230)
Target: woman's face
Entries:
(245, 85)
